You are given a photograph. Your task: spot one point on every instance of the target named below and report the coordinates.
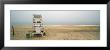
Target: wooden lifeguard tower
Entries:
(38, 25)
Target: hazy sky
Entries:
(57, 17)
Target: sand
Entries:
(59, 32)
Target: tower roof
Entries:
(37, 16)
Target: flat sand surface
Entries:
(59, 32)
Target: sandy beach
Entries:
(59, 32)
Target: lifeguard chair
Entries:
(38, 25)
